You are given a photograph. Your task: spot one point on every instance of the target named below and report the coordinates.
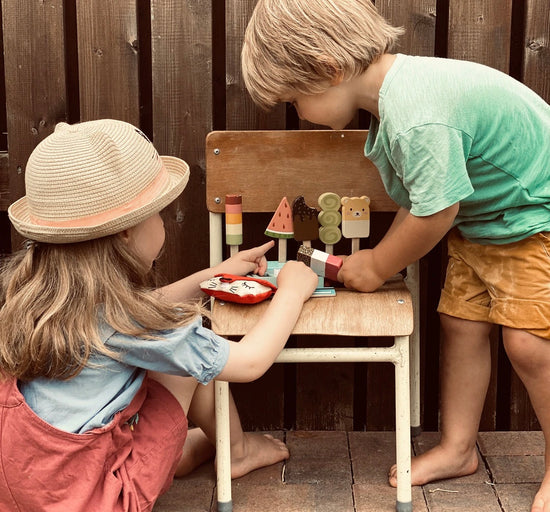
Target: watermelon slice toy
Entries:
(281, 225)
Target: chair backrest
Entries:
(264, 166)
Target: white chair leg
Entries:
(416, 426)
(223, 447)
(402, 426)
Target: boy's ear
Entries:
(329, 69)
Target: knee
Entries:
(525, 351)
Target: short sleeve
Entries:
(191, 350)
(430, 161)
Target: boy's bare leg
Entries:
(530, 358)
(465, 371)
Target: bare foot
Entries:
(256, 451)
(196, 450)
(541, 503)
(437, 464)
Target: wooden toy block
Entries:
(280, 225)
(322, 263)
(355, 217)
(233, 219)
(329, 218)
(304, 218)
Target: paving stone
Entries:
(452, 497)
(292, 498)
(381, 498)
(517, 469)
(194, 493)
(511, 443)
(372, 455)
(516, 498)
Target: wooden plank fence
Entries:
(173, 68)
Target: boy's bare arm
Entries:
(405, 242)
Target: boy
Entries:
(460, 147)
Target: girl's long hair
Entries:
(52, 296)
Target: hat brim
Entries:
(20, 216)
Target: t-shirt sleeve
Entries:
(430, 161)
(191, 350)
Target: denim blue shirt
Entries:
(106, 386)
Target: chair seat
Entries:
(385, 312)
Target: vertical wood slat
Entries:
(267, 394)
(4, 183)
(108, 60)
(418, 17)
(241, 113)
(480, 32)
(536, 61)
(181, 46)
(34, 68)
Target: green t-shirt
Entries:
(454, 131)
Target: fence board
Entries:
(4, 182)
(267, 394)
(241, 113)
(418, 18)
(181, 56)
(480, 31)
(34, 68)
(536, 61)
(108, 60)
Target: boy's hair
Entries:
(53, 296)
(303, 45)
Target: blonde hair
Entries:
(302, 45)
(52, 296)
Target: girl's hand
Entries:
(297, 277)
(244, 262)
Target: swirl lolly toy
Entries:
(329, 218)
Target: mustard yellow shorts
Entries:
(502, 284)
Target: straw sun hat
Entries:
(93, 179)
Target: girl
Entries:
(99, 372)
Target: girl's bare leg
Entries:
(465, 367)
(530, 358)
(249, 451)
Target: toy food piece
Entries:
(241, 289)
(355, 217)
(329, 218)
(233, 220)
(280, 225)
(304, 218)
(322, 263)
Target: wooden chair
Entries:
(263, 167)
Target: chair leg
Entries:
(416, 426)
(223, 447)
(402, 426)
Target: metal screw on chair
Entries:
(216, 151)
(217, 200)
(400, 301)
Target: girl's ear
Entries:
(125, 235)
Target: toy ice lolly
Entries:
(281, 226)
(233, 220)
(322, 263)
(355, 219)
(304, 218)
(329, 218)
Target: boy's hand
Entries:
(358, 272)
(297, 277)
(251, 260)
